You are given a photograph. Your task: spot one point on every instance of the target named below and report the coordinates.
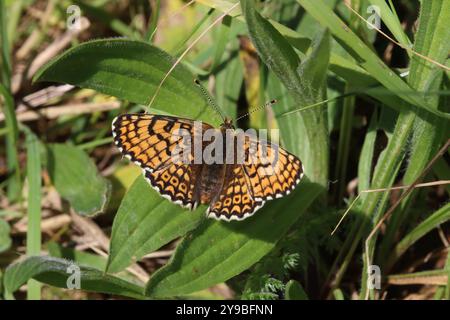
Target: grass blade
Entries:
(429, 130)
(34, 207)
(366, 57)
(366, 156)
(392, 22)
(433, 221)
(5, 41)
(154, 22)
(12, 158)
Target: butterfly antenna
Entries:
(266, 105)
(210, 100)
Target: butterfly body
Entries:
(233, 182)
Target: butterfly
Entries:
(234, 190)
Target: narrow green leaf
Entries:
(390, 160)
(221, 41)
(340, 65)
(366, 57)
(153, 25)
(391, 21)
(428, 277)
(345, 136)
(34, 207)
(56, 272)
(102, 16)
(145, 222)
(217, 251)
(5, 47)
(76, 179)
(338, 294)
(436, 219)
(430, 132)
(130, 70)
(228, 85)
(14, 13)
(5, 238)
(192, 32)
(442, 171)
(447, 267)
(295, 291)
(366, 156)
(12, 158)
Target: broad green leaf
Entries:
(5, 238)
(76, 179)
(130, 70)
(217, 251)
(295, 291)
(56, 272)
(145, 222)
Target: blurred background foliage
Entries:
(360, 110)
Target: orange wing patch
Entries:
(176, 182)
(235, 201)
(271, 171)
(150, 140)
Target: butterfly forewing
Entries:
(151, 141)
(272, 172)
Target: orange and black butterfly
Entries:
(233, 190)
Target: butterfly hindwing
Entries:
(176, 182)
(234, 201)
